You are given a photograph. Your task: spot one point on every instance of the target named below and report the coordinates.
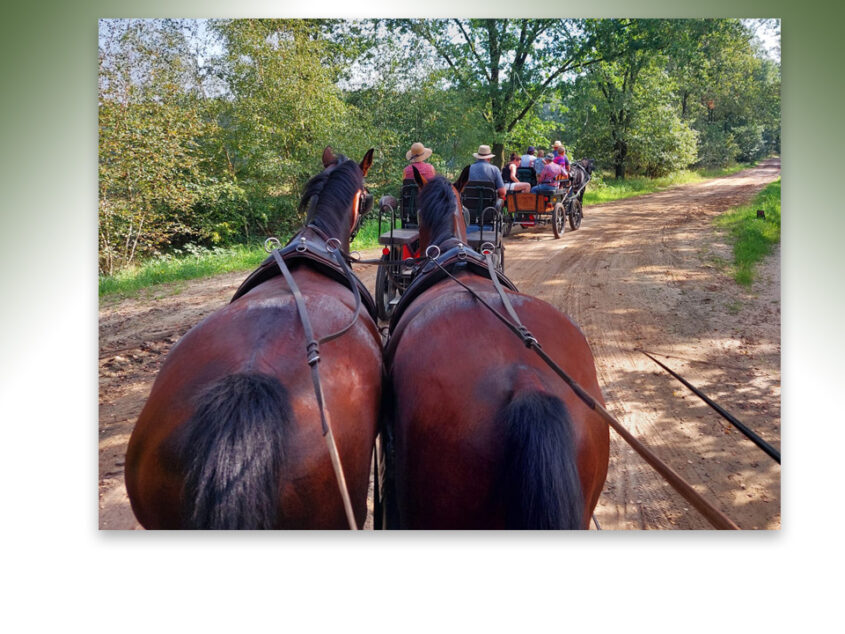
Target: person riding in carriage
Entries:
(416, 157)
(528, 159)
(482, 170)
(512, 183)
(552, 173)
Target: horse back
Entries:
(261, 333)
(455, 368)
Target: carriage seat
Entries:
(399, 237)
(479, 197)
(408, 203)
(527, 175)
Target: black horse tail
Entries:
(233, 452)
(543, 489)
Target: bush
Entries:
(716, 147)
(749, 139)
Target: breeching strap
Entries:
(718, 519)
(313, 355)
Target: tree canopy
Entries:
(209, 129)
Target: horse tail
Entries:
(233, 451)
(543, 489)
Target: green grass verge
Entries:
(200, 262)
(196, 263)
(603, 190)
(752, 237)
(367, 237)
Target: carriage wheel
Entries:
(575, 213)
(508, 224)
(386, 291)
(559, 220)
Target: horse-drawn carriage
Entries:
(555, 207)
(484, 219)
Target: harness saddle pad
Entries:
(309, 249)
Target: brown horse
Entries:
(231, 434)
(481, 432)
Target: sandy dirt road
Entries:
(647, 273)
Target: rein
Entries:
(312, 350)
(714, 516)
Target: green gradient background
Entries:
(48, 324)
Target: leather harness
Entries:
(308, 248)
(455, 259)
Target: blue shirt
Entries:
(485, 171)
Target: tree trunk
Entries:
(499, 154)
(619, 159)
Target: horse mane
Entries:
(334, 189)
(436, 203)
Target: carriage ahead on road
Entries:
(565, 203)
(484, 221)
(554, 207)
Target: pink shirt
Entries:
(426, 170)
(551, 172)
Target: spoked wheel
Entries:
(575, 213)
(559, 220)
(508, 224)
(386, 291)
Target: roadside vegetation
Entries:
(191, 264)
(209, 129)
(753, 238)
(603, 190)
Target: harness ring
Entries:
(271, 244)
(332, 245)
(429, 248)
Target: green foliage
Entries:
(602, 190)
(193, 262)
(753, 238)
(210, 129)
(716, 146)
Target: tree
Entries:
(510, 66)
(148, 125)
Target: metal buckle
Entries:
(462, 254)
(271, 244)
(301, 247)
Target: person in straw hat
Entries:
(416, 157)
(482, 170)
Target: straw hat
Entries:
(483, 152)
(418, 153)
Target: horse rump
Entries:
(233, 449)
(541, 482)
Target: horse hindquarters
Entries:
(232, 449)
(542, 486)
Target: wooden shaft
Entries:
(714, 516)
(341, 480)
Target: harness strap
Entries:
(312, 348)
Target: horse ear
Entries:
(366, 162)
(421, 182)
(328, 156)
(462, 179)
